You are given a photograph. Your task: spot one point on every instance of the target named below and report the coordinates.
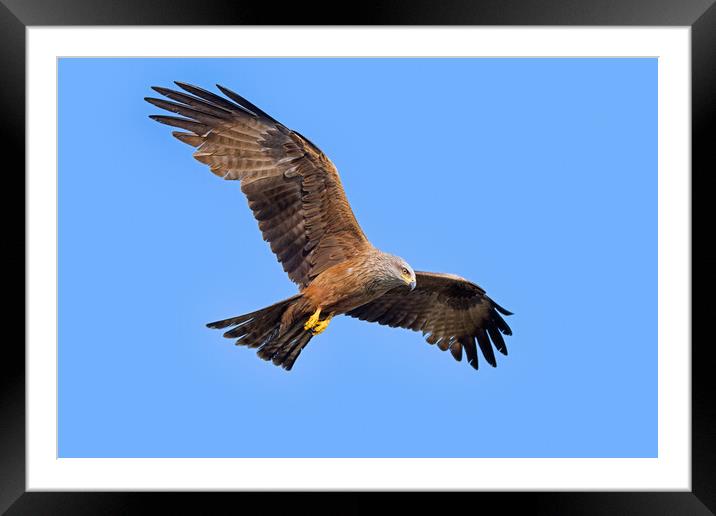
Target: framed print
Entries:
(545, 155)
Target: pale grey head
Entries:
(392, 271)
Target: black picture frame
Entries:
(700, 15)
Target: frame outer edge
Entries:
(397, 12)
(12, 376)
(12, 101)
(703, 120)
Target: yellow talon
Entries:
(322, 325)
(313, 320)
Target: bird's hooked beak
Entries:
(409, 279)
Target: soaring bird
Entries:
(296, 196)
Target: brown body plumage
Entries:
(297, 198)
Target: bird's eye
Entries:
(405, 271)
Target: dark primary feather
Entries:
(292, 188)
(451, 311)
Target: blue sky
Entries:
(535, 178)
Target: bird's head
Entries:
(400, 272)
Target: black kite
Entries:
(296, 195)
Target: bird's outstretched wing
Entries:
(454, 313)
(292, 188)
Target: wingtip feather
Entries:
(502, 310)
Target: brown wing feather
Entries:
(292, 188)
(451, 311)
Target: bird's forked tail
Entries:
(262, 329)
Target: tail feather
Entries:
(272, 351)
(255, 339)
(296, 350)
(283, 351)
(262, 329)
(225, 323)
(278, 350)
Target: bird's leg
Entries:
(321, 325)
(312, 320)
